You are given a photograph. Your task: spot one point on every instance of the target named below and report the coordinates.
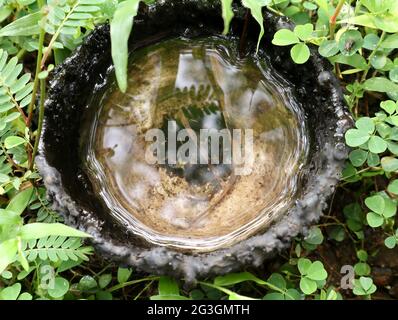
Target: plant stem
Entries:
(40, 124)
(129, 283)
(333, 18)
(365, 73)
(36, 81)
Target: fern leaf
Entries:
(56, 249)
(15, 90)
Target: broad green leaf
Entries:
(123, 274)
(304, 32)
(328, 48)
(26, 26)
(393, 187)
(358, 157)
(375, 203)
(380, 84)
(169, 297)
(61, 287)
(365, 124)
(386, 22)
(366, 20)
(300, 53)
(227, 14)
(121, 26)
(8, 251)
(374, 220)
(11, 293)
(355, 137)
(356, 61)
(316, 271)
(13, 141)
(20, 201)
(303, 265)
(234, 278)
(285, 37)
(315, 236)
(255, 7)
(379, 60)
(307, 285)
(40, 230)
(370, 41)
(389, 164)
(390, 242)
(350, 42)
(104, 280)
(377, 144)
(168, 286)
(390, 42)
(393, 74)
(389, 106)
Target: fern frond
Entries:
(68, 17)
(55, 249)
(15, 90)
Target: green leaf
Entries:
(303, 265)
(389, 106)
(377, 144)
(390, 242)
(255, 7)
(350, 42)
(285, 37)
(87, 283)
(358, 157)
(304, 32)
(380, 84)
(393, 74)
(40, 230)
(379, 60)
(390, 42)
(227, 14)
(389, 164)
(10, 293)
(386, 22)
(234, 278)
(20, 201)
(300, 53)
(13, 141)
(316, 271)
(61, 287)
(356, 61)
(121, 26)
(374, 220)
(376, 203)
(328, 48)
(355, 137)
(104, 280)
(169, 297)
(315, 236)
(308, 286)
(393, 187)
(370, 41)
(366, 283)
(168, 286)
(8, 251)
(365, 124)
(26, 26)
(123, 274)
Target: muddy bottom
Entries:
(203, 150)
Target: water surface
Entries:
(195, 84)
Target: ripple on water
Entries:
(196, 84)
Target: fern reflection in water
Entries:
(198, 84)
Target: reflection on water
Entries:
(195, 84)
